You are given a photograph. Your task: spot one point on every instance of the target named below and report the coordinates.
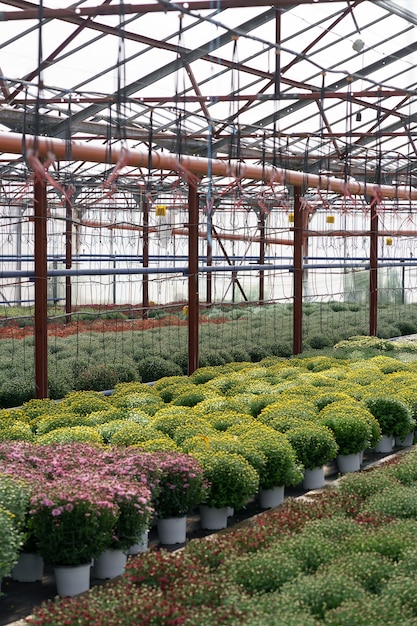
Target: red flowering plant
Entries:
(181, 485)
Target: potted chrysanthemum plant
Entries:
(180, 489)
(73, 522)
(281, 468)
(315, 446)
(232, 481)
(352, 427)
(133, 500)
(394, 417)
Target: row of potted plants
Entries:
(71, 502)
(245, 427)
(343, 558)
(341, 428)
(237, 409)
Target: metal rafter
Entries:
(137, 123)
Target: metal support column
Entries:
(193, 299)
(298, 273)
(373, 269)
(68, 261)
(145, 261)
(41, 290)
(261, 226)
(209, 275)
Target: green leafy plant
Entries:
(231, 478)
(14, 497)
(366, 484)
(371, 570)
(395, 501)
(84, 434)
(323, 591)
(349, 424)
(311, 549)
(152, 368)
(394, 417)
(281, 466)
(10, 542)
(102, 376)
(314, 444)
(262, 572)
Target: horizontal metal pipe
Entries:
(14, 143)
(207, 99)
(204, 269)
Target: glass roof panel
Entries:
(317, 80)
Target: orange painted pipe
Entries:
(60, 149)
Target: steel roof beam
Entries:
(395, 9)
(340, 84)
(188, 56)
(198, 5)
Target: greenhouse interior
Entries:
(208, 313)
(194, 165)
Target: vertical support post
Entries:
(261, 227)
(298, 273)
(209, 275)
(18, 289)
(192, 278)
(306, 216)
(145, 259)
(41, 290)
(68, 261)
(373, 269)
(114, 281)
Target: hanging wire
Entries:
(39, 74)
(68, 132)
(209, 199)
(378, 137)
(348, 131)
(121, 77)
(277, 95)
(24, 125)
(177, 89)
(233, 106)
(322, 124)
(149, 179)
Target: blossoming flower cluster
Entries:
(83, 498)
(182, 486)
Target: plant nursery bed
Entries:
(18, 599)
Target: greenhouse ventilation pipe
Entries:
(16, 143)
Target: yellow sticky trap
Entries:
(330, 219)
(160, 210)
(185, 310)
(388, 241)
(290, 217)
